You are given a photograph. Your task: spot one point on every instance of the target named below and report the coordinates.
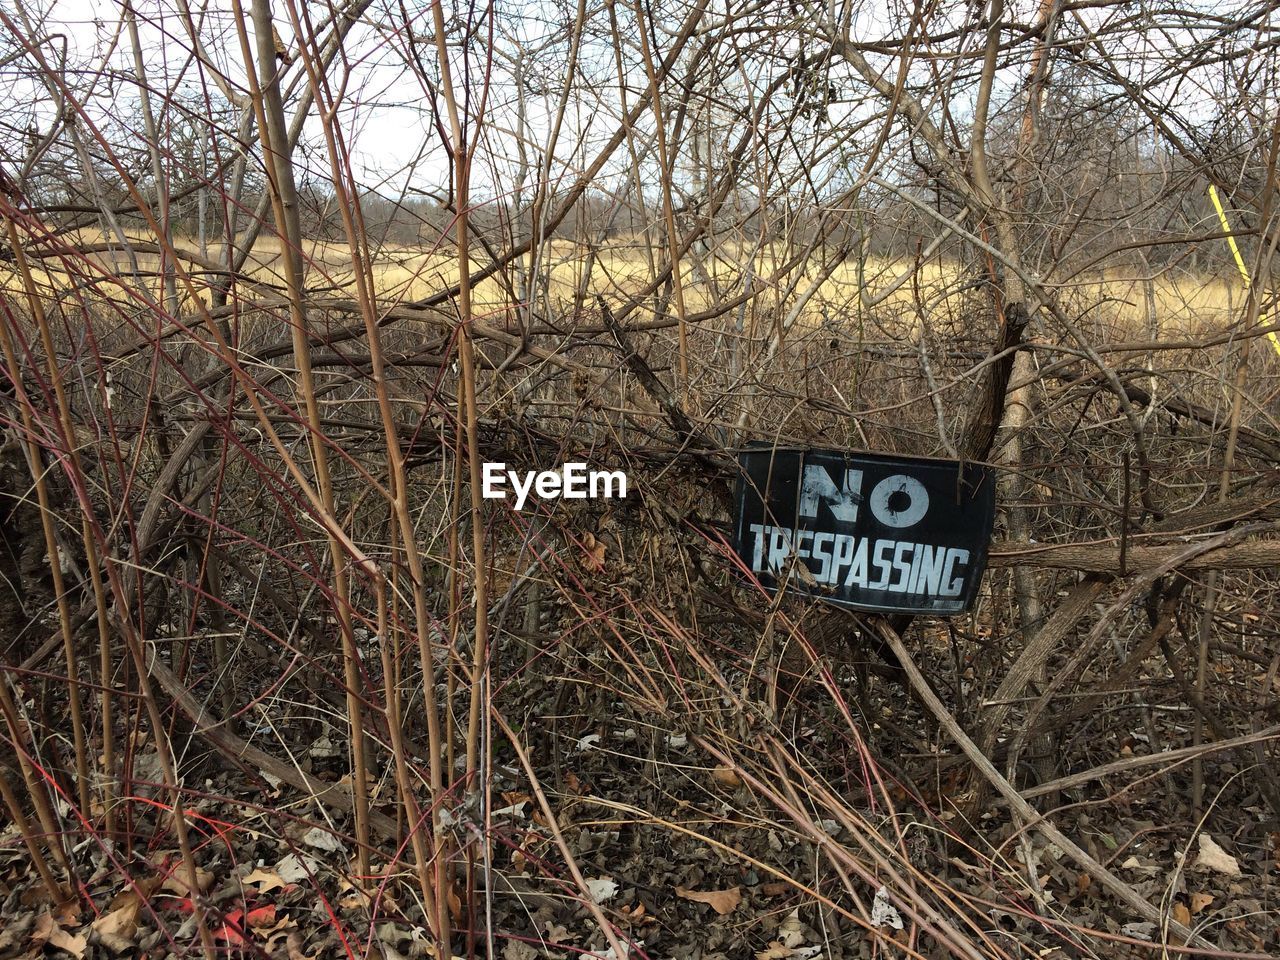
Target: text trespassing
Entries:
(843, 561)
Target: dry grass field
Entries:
(1171, 303)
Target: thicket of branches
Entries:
(279, 278)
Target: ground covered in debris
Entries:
(683, 851)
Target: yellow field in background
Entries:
(1181, 302)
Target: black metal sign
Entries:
(865, 530)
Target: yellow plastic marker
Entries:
(1235, 251)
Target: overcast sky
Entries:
(385, 114)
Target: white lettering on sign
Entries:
(817, 485)
(897, 501)
(841, 560)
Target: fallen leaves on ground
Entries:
(322, 839)
(1213, 857)
(721, 901)
(883, 912)
(264, 880)
(47, 930)
(237, 922)
(176, 882)
(726, 777)
(117, 927)
(601, 889)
